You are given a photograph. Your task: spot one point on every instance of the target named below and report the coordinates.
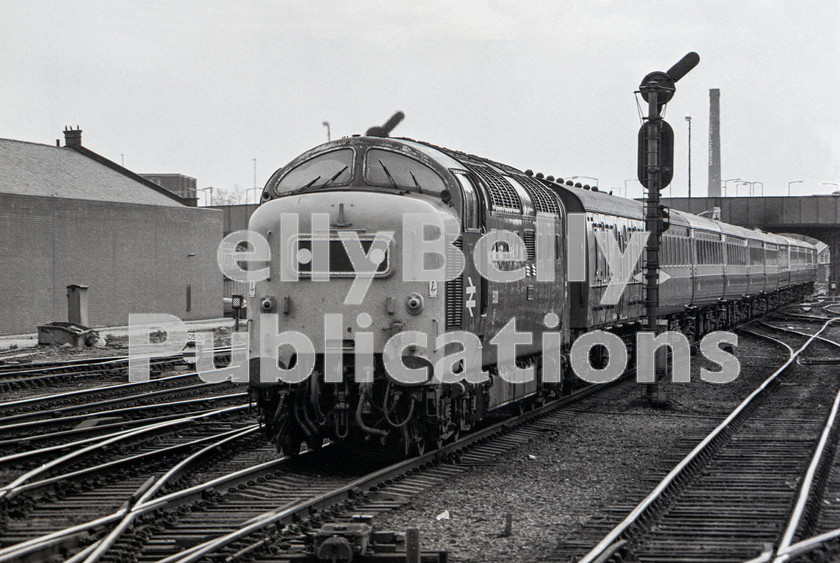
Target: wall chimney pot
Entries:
(72, 137)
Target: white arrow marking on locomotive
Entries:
(621, 264)
(470, 302)
(663, 277)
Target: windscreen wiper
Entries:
(393, 183)
(337, 174)
(416, 183)
(315, 179)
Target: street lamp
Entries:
(327, 125)
(587, 177)
(835, 184)
(730, 180)
(752, 185)
(688, 118)
(794, 182)
(211, 194)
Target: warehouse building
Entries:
(70, 216)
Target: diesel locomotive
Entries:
(345, 203)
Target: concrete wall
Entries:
(236, 216)
(135, 259)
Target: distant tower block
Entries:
(714, 142)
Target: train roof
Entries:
(575, 200)
(579, 200)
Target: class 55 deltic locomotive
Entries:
(342, 305)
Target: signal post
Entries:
(655, 171)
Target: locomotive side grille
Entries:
(531, 244)
(502, 195)
(543, 198)
(454, 292)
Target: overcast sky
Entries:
(203, 88)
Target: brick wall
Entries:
(134, 258)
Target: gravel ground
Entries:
(601, 450)
(114, 345)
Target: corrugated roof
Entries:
(44, 170)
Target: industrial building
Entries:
(180, 185)
(70, 216)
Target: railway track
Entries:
(109, 392)
(736, 495)
(77, 487)
(235, 507)
(24, 430)
(24, 376)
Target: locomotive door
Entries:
(475, 287)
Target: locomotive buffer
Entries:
(655, 171)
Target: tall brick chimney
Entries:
(714, 143)
(72, 137)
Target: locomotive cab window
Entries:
(387, 168)
(334, 168)
(470, 211)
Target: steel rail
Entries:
(82, 417)
(616, 533)
(92, 390)
(74, 367)
(149, 487)
(125, 425)
(82, 362)
(115, 463)
(786, 548)
(143, 504)
(801, 333)
(113, 401)
(340, 494)
(12, 489)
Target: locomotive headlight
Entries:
(267, 304)
(414, 303)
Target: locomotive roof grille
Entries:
(502, 195)
(543, 198)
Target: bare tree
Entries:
(229, 196)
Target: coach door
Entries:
(475, 287)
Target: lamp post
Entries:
(730, 180)
(751, 184)
(835, 184)
(688, 118)
(794, 182)
(327, 125)
(211, 195)
(626, 191)
(248, 191)
(587, 177)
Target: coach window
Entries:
(388, 168)
(334, 168)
